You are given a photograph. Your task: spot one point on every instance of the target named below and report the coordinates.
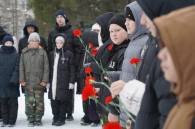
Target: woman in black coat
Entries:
(62, 79)
(9, 76)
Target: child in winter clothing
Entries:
(62, 79)
(9, 75)
(34, 75)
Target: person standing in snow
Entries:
(30, 27)
(64, 26)
(62, 79)
(33, 76)
(9, 75)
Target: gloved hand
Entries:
(86, 65)
(71, 86)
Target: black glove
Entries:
(11, 84)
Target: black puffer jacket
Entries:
(88, 37)
(101, 55)
(23, 43)
(73, 45)
(65, 72)
(2, 34)
(115, 56)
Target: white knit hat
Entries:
(60, 38)
(95, 27)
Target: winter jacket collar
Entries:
(139, 29)
(177, 33)
(103, 20)
(156, 8)
(2, 51)
(30, 23)
(63, 28)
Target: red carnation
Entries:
(108, 100)
(112, 125)
(87, 83)
(88, 91)
(94, 51)
(135, 61)
(91, 45)
(77, 33)
(88, 70)
(110, 47)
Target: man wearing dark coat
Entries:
(63, 25)
(30, 27)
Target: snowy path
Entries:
(22, 122)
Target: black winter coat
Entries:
(23, 43)
(156, 102)
(73, 45)
(115, 56)
(88, 37)
(65, 74)
(101, 55)
(2, 34)
(9, 73)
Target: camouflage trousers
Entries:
(34, 113)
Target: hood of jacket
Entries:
(156, 8)
(66, 40)
(63, 28)
(103, 21)
(177, 31)
(90, 37)
(137, 13)
(30, 23)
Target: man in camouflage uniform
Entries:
(34, 75)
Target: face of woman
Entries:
(145, 20)
(59, 44)
(130, 24)
(167, 65)
(117, 34)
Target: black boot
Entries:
(31, 124)
(86, 122)
(10, 125)
(95, 123)
(84, 118)
(69, 117)
(4, 124)
(60, 123)
(38, 123)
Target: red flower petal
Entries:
(94, 51)
(135, 60)
(88, 91)
(110, 47)
(87, 81)
(112, 125)
(88, 70)
(91, 45)
(77, 33)
(108, 99)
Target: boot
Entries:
(69, 117)
(4, 124)
(38, 123)
(86, 122)
(31, 124)
(60, 123)
(95, 123)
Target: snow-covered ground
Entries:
(22, 122)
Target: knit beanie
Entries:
(8, 37)
(34, 35)
(61, 12)
(60, 38)
(129, 14)
(95, 27)
(118, 19)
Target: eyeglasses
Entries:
(34, 41)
